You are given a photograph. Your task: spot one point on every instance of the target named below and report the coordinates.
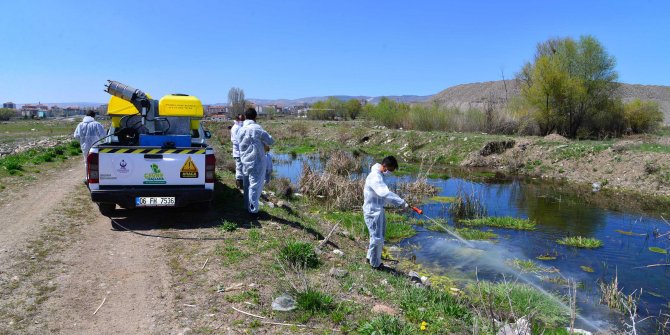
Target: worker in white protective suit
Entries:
(239, 119)
(376, 195)
(252, 139)
(88, 132)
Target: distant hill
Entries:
(476, 95)
(311, 100)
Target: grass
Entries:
(385, 324)
(467, 206)
(526, 265)
(227, 226)
(396, 230)
(505, 222)
(475, 234)
(513, 299)
(16, 163)
(314, 301)
(651, 147)
(586, 268)
(442, 199)
(299, 254)
(581, 242)
(546, 257)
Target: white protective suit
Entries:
(236, 149)
(87, 133)
(268, 167)
(376, 195)
(252, 138)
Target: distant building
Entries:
(213, 110)
(72, 110)
(56, 111)
(102, 109)
(32, 110)
(9, 105)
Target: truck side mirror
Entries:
(208, 135)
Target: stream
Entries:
(627, 238)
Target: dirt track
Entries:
(59, 258)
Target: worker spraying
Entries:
(376, 195)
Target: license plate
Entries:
(154, 201)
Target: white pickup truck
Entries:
(155, 154)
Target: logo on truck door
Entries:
(155, 177)
(189, 170)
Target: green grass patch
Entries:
(314, 301)
(299, 254)
(505, 222)
(651, 147)
(581, 242)
(526, 265)
(16, 163)
(385, 324)
(396, 228)
(658, 250)
(576, 150)
(507, 300)
(227, 226)
(475, 234)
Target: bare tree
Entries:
(236, 101)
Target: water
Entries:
(558, 213)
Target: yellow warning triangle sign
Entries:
(189, 170)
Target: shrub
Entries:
(299, 254)
(314, 301)
(340, 192)
(6, 114)
(643, 116)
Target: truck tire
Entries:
(107, 209)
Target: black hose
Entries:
(172, 237)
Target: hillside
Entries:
(476, 95)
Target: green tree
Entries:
(642, 116)
(353, 108)
(6, 113)
(571, 86)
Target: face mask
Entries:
(386, 173)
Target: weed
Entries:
(501, 222)
(338, 191)
(343, 163)
(385, 324)
(506, 300)
(586, 268)
(314, 301)
(354, 223)
(581, 242)
(475, 234)
(467, 206)
(227, 226)
(526, 266)
(299, 254)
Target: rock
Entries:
(338, 273)
(383, 309)
(284, 303)
(425, 281)
(496, 147)
(596, 187)
(281, 203)
(579, 331)
(185, 331)
(270, 204)
(414, 277)
(520, 327)
(338, 252)
(15, 278)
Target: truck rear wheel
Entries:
(107, 209)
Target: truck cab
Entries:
(154, 157)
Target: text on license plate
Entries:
(154, 201)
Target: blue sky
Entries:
(64, 51)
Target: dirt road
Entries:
(60, 259)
